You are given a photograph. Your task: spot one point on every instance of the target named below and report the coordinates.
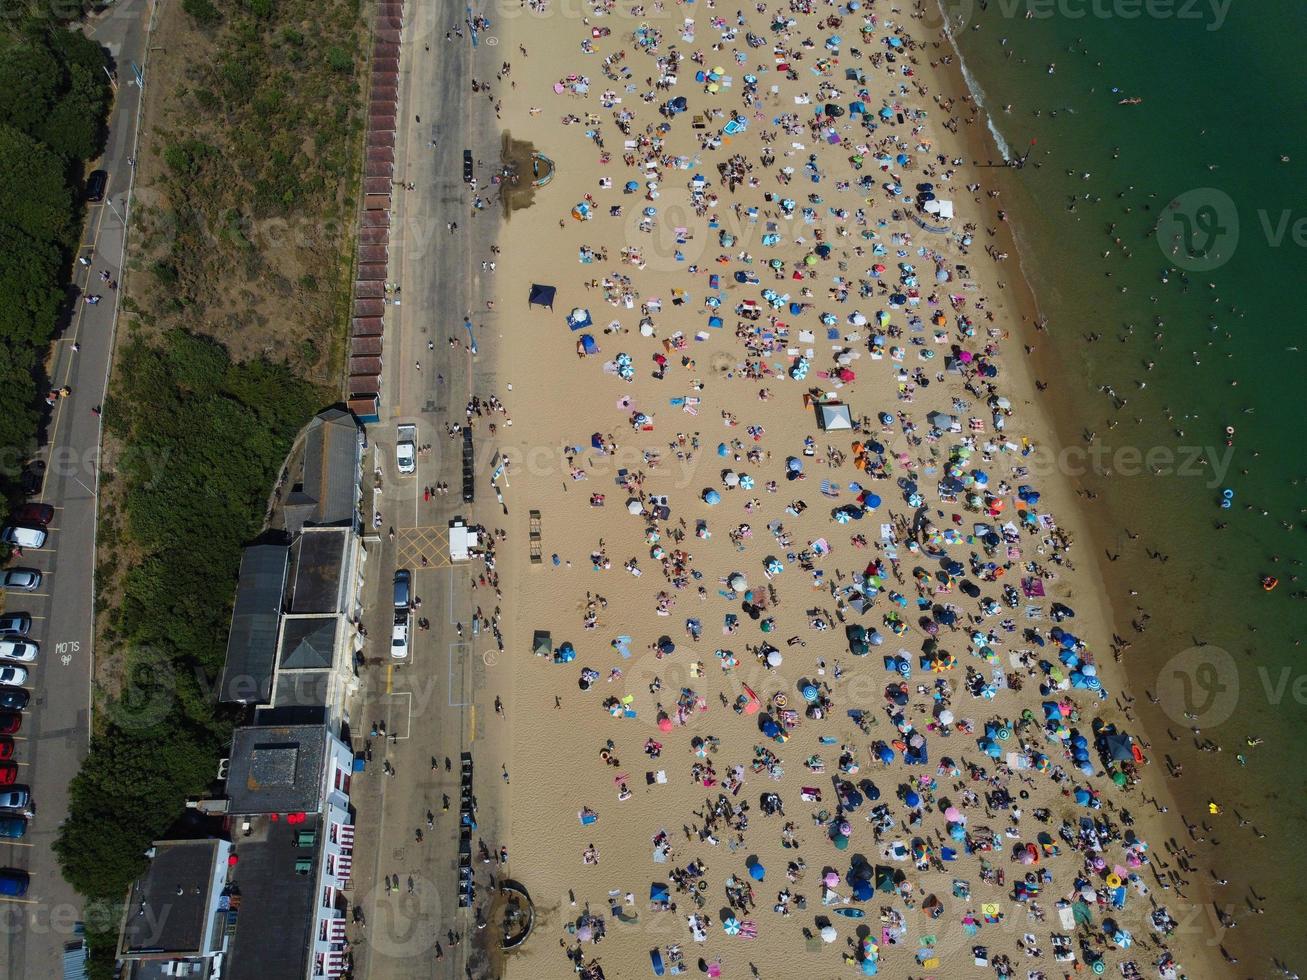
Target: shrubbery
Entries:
(54, 97)
(207, 439)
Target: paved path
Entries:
(55, 734)
(426, 703)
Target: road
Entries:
(55, 734)
(427, 703)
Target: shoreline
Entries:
(1057, 417)
(1250, 794)
(1021, 297)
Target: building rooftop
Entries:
(252, 643)
(274, 878)
(327, 494)
(276, 769)
(317, 563)
(167, 912)
(308, 642)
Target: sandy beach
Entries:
(837, 700)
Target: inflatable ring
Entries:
(1227, 493)
(1099, 966)
(1024, 794)
(1229, 430)
(605, 754)
(702, 885)
(1004, 734)
(780, 700)
(1113, 881)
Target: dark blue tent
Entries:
(542, 296)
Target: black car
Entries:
(13, 699)
(95, 186)
(33, 478)
(467, 166)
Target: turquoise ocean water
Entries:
(1207, 231)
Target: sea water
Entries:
(1205, 181)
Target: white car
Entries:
(24, 651)
(399, 636)
(13, 676)
(406, 448)
(23, 536)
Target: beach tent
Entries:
(542, 644)
(832, 416)
(941, 209)
(542, 296)
(588, 344)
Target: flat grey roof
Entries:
(166, 913)
(276, 769)
(317, 563)
(252, 642)
(275, 923)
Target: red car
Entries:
(10, 722)
(38, 514)
(6, 748)
(8, 774)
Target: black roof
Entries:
(275, 923)
(167, 911)
(317, 561)
(252, 643)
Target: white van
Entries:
(23, 536)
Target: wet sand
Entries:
(559, 400)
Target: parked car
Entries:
(14, 882)
(403, 589)
(21, 580)
(16, 799)
(6, 748)
(13, 699)
(13, 828)
(39, 515)
(24, 536)
(399, 636)
(15, 676)
(95, 186)
(22, 651)
(15, 624)
(8, 773)
(11, 723)
(33, 479)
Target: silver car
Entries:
(22, 651)
(20, 580)
(15, 624)
(16, 799)
(13, 676)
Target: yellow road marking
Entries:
(415, 543)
